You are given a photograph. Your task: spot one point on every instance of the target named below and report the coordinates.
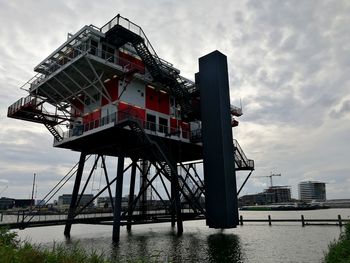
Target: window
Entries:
(163, 125)
(94, 45)
(151, 122)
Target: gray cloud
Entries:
(288, 63)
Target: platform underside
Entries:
(114, 141)
(81, 73)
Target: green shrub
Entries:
(339, 251)
(14, 251)
(7, 238)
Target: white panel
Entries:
(134, 93)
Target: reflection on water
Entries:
(224, 248)
(169, 247)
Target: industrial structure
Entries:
(312, 191)
(105, 92)
(271, 195)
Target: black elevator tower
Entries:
(218, 150)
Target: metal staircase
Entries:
(242, 162)
(196, 189)
(53, 129)
(160, 152)
(31, 109)
(160, 70)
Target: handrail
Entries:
(120, 20)
(119, 117)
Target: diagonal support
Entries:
(106, 95)
(245, 181)
(73, 204)
(107, 181)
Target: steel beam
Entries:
(107, 182)
(131, 193)
(176, 195)
(107, 96)
(73, 203)
(118, 199)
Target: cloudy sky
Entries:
(289, 63)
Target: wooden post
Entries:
(340, 221)
(2, 216)
(241, 220)
(302, 220)
(269, 220)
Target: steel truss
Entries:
(178, 198)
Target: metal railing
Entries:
(243, 160)
(120, 116)
(126, 23)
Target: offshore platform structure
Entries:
(105, 92)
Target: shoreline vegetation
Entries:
(339, 251)
(13, 250)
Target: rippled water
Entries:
(256, 242)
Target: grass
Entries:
(339, 251)
(12, 250)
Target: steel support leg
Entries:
(172, 204)
(118, 199)
(144, 173)
(175, 185)
(73, 203)
(131, 193)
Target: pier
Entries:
(25, 219)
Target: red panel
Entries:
(185, 130)
(112, 89)
(164, 103)
(157, 101)
(96, 115)
(87, 118)
(78, 105)
(174, 125)
(132, 62)
(151, 99)
(126, 110)
(91, 120)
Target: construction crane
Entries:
(4, 189)
(270, 176)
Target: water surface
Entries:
(253, 242)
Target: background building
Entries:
(272, 195)
(65, 199)
(6, 203)
(312, 190)
(280, 194)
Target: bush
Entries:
(14, 251)
(339, 251)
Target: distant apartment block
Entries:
(65, 200)
(272, 195)
(312, 190)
